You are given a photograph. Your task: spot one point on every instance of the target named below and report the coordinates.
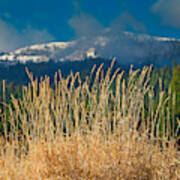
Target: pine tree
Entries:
(175, 84)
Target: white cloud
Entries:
(169, 12)
(85, 25)
(127, 22)
(34, 36)
(11, 39)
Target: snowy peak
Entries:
(128, 47)
(49, 46)
(36, 53)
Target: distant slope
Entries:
(129, 48)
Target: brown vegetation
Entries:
(90, 130)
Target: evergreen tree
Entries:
(175, 84)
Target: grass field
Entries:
(107, 127)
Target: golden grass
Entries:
(92, 158)
(88, 131)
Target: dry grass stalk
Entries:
(87, 130)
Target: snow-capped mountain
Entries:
(36, 53)
(128, 47)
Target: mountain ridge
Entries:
(128, 47)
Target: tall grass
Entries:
(103, 128)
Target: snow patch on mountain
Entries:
(128, 47)
(50, 46)
(166, 39)
(36, 53)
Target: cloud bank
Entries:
(169, 12)
(11, 39)
(85, 25)
(88, 26)
(127, 22)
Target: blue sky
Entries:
(25, 22)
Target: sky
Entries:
(24, 22)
